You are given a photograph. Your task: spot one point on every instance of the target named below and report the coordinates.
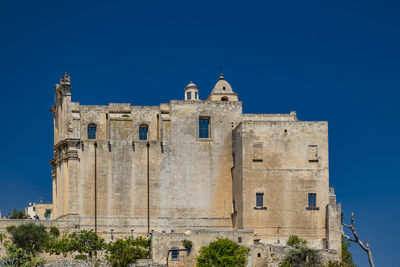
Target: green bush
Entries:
(187, 244)
(2, 237)
(81, 257)
(123, 252)
(86, 242)
(294, 240)
(54, 231)
(30, 237)
(222, 252)
(54, 245)
(17, 257)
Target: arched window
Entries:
(92, 131)
(143, 129)
(224, 98)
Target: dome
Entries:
(191, 85)
(222, 86)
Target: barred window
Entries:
(204, 127)
(143, 129)
(260, 199)
(92, 131)
(312, 200)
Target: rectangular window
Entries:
(189, 95)
(195, 95)
(313, 153)
(260, 199)
(233, 206)
(175, 255)
(204, 127)
(91, 132)
(312, 200)
(143, 132)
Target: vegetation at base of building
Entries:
(222, 252)
(80, 257)
(2, 238)
(29, 236)
(187, 244)
(123, 252)
(86, 242)
(302, 256)
(54, 231)
(18, 257)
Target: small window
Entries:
(224, 98)
(313, 153)
(260, 199)
(189, 95)
(175, 255)
(240, 239)
(312, 200)
(196, 95)
(92, 131)
(204, 127)
(47, 214)
(257, 152)
(233, 206)
(143, 132)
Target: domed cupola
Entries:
(222, 91)
(191, 92)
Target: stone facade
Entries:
(158, 168)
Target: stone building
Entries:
(192, 165)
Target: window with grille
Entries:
(204, 127)
(143, 132)
(92, 131)
(175, 255)
(260, 199)
(312, 200)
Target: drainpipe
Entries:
(95, 187)
(148, 188)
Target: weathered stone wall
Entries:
(259, 254)
(275, 161)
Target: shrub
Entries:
(81, 257)
(300, 254)
(222, 252)
(187, 244)
(54, 231)
(294, 240)
(86, 242)
(17, 257)
(54, 245)
(2, 237)
(30, 237)
(123, 252)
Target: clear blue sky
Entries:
(329, 60)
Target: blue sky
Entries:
(329, 60)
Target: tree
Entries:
(357, 240)
(30, 237)
(347, 258)
(300, 254)
(86, 242)
(222, 252)
(124, 252)
(54, 231)
(55, 245)
(17, 214)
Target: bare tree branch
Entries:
(357, 240)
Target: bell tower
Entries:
(191, 92)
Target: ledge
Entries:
(312, 208)
(260, 208)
